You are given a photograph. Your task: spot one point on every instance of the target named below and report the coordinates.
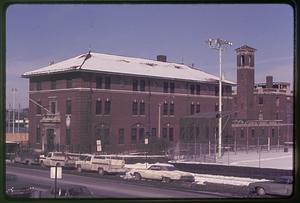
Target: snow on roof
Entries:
(126, 65)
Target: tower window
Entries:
(242, 62)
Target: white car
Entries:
(163, 172)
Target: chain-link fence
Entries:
(231, 154)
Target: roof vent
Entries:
(162, 58)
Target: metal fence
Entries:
(200, 152)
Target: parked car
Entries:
(163, 172)
(14, 188)
(100, 164)
(27, 157)
(66, 160)
(70, 191)
(282, 186)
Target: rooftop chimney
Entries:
(162, 58)
(269, 82)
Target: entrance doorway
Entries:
(50, 139)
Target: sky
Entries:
(37, 34)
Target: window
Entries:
(39, 108)
(53, 107)
(216, 91)
(153, 132)
(172, 87)
(107, 82)
(207, 131)
(68, 106)
(134, 108)
(142, 108)
(260, 100)
(252, 132)
(260, 116)
(277, 115)
(198, 89)
(216, 107)
(133, 135)
(69, 83)
(192, 88)
(277, 101)
(141, 135)
(134, 85)
(242, 132)
(192, 109)
(172, 108)
(242, 60)
(164, 133)
(273, 132)
(198, 108)
(107, 107)
(68, 136)
(38, 85)
(121, 136)
(99, 82)
(142, 85)
(263, 132)
(53, 84)
(166, 87)
(98, 107)
(165, 110)
(171, 134)
(38, 135)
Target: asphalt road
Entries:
(104, 187)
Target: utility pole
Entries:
(14, 90)
(219, 45)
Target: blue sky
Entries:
(38, 34)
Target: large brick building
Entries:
(122, 100)
(118, 100)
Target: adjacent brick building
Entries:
(263, 112)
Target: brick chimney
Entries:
(269, 82)
(162, 58)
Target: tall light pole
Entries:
(219, 45)
(14, 90)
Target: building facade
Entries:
(117, 100)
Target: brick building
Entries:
(263, 112)
(118, 100)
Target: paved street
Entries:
(103, 187)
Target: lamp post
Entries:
(219, 45)
(14, 90)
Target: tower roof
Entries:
(245, 48)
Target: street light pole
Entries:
(14, 90)
(219, 45)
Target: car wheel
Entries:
(100, 171)
(27, 162)
(42, 164)
(260, 191)
(137, 176)
(79, 168)
(166, 180)
(58, 165)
